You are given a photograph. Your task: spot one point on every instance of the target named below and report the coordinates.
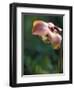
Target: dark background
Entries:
(37, 56)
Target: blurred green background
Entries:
(37, 56)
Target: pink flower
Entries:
(48, 32)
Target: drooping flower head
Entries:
(49, 32)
